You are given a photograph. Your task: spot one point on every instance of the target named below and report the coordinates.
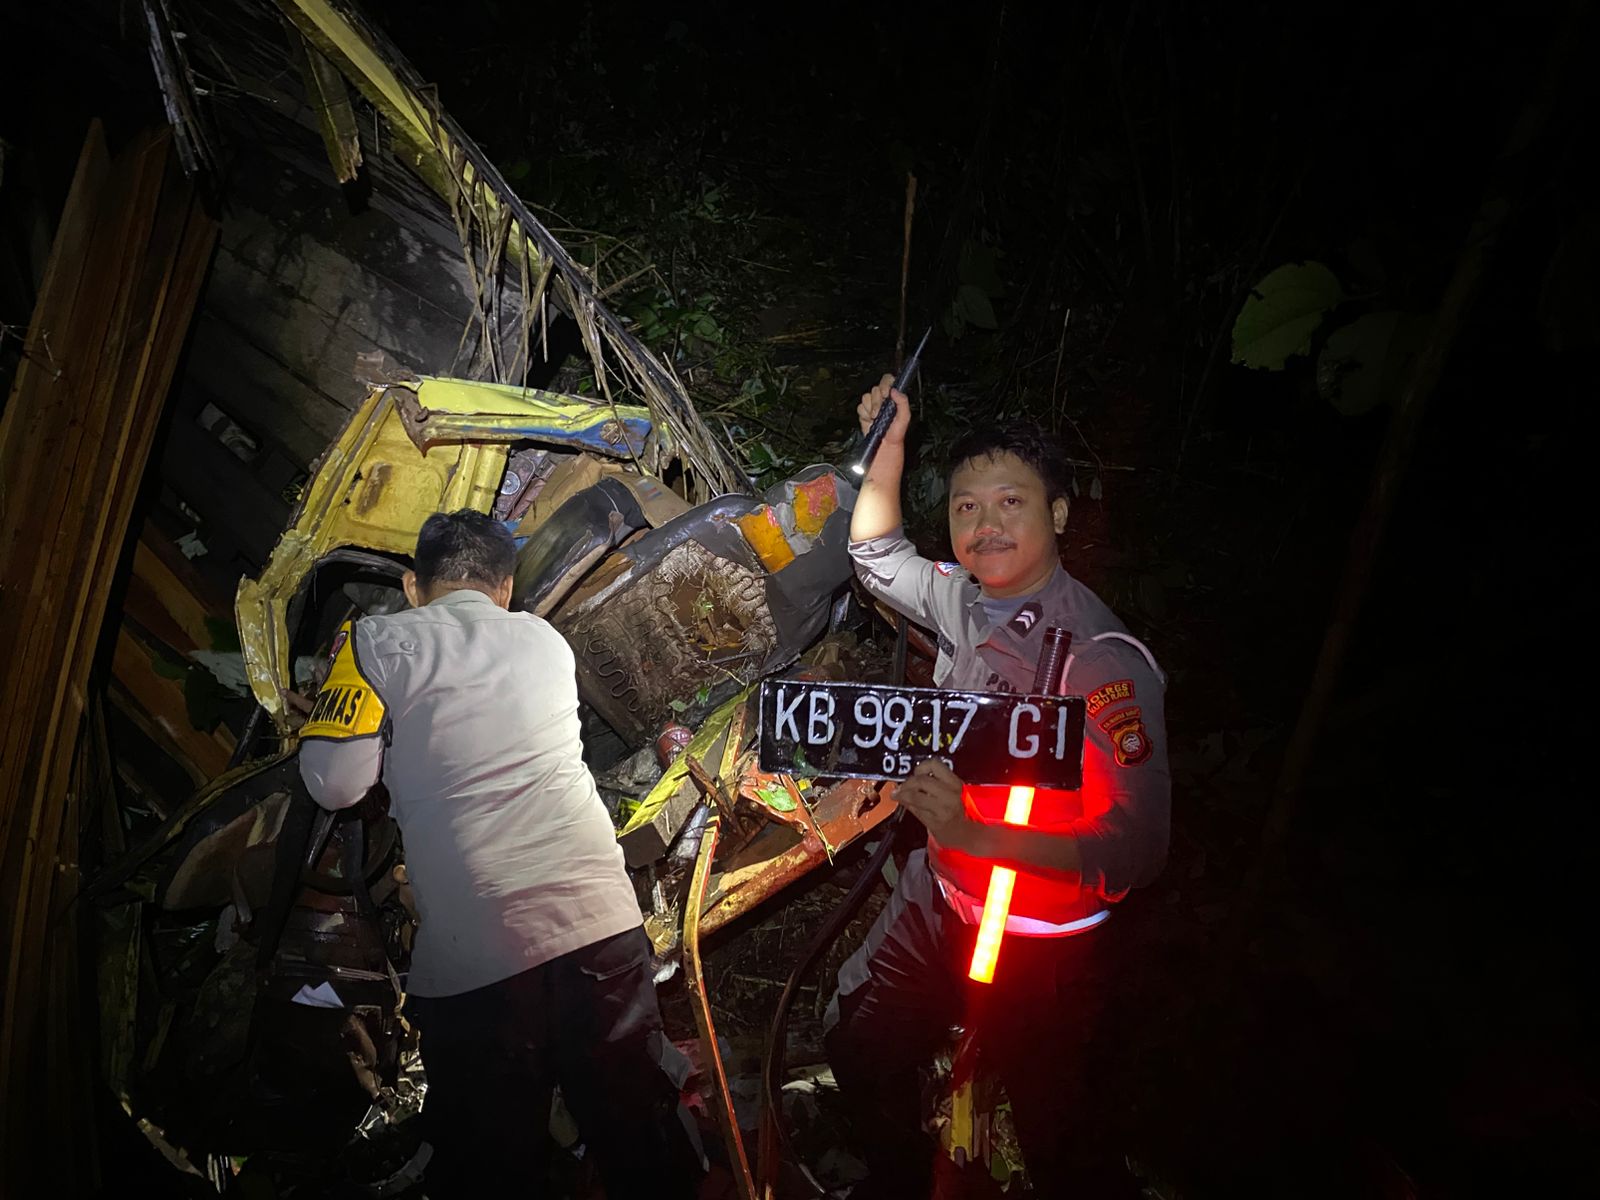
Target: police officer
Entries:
(531, 964)
(1081, 851)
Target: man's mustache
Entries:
(983, 545)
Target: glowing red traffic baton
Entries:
(997, 905)
(1047, 681)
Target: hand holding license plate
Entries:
(864, 731)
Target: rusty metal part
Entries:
(755, 793)
(713, 789)
(810, 818)
(762, 869)
(727, 1118)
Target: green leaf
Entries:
(1281, 314)
(677, 706)
(776, 797)
(1363, 363)
(1000, 1169)
(973, 307)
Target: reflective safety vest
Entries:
(1041, 906)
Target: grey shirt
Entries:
(1126, 783)
(512, 857)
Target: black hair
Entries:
(1028, 440)
(465, 546)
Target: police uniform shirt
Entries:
(512, 857)
(1122, 838)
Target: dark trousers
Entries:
(898, 997)
(588, 1021)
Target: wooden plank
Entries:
(171, 608)
(154, 381)
(30, 444)
(74, 445)
(150, 357)
(33, 441)
(55, 420)
(169, 597)
(159, 708)
(75, 563)
(188, 612)
(68, 497)
(47, 332)
(41, 527)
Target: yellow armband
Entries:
(348, 706)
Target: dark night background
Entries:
(1399, 1004)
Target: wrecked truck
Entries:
(257, 947)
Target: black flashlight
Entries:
(885, 418)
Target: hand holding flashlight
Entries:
(880, 411)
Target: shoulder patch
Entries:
(949, 569)
(1130, 741)
(348, 706)
(1112, 693)
(1112, 720)
(1026, 618)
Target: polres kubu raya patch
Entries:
(1130, 740)
(1112, 693)
(348, 706)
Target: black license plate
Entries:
(863, 731)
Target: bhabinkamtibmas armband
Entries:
(348, 706)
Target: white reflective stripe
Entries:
(1029, 927)
(1132, 641)
(971, 913)
(1137, 645)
